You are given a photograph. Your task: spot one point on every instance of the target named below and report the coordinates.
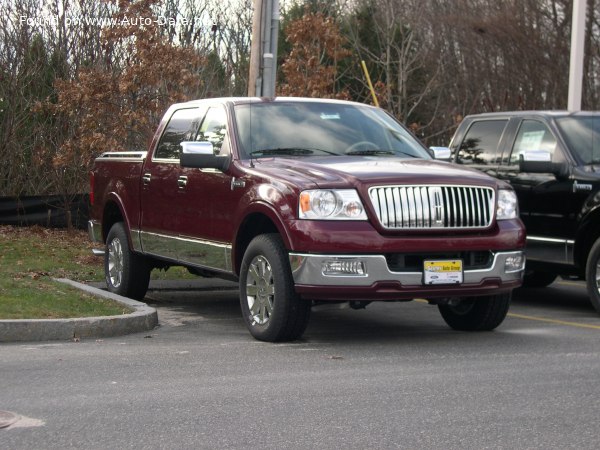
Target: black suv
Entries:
(552, 160)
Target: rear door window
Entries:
(480, 144)
(183, 126)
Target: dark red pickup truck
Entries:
(304, 201)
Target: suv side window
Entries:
(533, 135)
(182, 126)
(480, 144)
(214, 129)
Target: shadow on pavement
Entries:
(562, 294)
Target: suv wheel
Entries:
(271, 308)
(482, 313)
(592, 275)
(126, 272)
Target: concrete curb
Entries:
(143, 318)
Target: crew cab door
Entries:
(548, 205)
(162, 199)
(210, 196)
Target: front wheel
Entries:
(270, 306)
(482, 313)
(592, 275)
(126, 272)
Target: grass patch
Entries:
(31, 257)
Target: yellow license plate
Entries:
(443, 272)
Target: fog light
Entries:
(344, 267)
(514, 262)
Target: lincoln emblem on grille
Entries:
(438, 207)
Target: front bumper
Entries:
(378, 282)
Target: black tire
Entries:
(592, 275)
(533, 279)
(127, 273)
(482, 313)
(272, 310)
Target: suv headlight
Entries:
(507, 207)
(331, 204)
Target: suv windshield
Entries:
(582, 134)
(319, 129)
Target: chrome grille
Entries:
(424, 207)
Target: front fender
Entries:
(275, 200)
(268, 211)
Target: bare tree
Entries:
(433, 61)
(311, 69)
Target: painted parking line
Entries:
(554, 321)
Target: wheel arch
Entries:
(260, 221)
(113, 212)
(587, 234)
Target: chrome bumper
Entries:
(307, 269)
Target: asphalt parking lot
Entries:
(391, 376)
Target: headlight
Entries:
(335, 204)
(507, 205)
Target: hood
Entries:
(338, 172)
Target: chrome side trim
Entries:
(95, 231)
(552, 250)
(136, 240)
(188, 251)
(158, 244)
(208, 254)
(307, 270)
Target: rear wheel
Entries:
(482, 313)
(592, 275)
(126, 272)
(270, 306)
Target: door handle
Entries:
(146, 179)
(182, 182)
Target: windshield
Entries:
(320, 129)
(582, 134)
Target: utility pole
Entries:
(577, 52)
(263, 52)
(253, 77)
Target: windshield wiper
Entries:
(291, 151)
(371, 152)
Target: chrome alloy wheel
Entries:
(260, 290)
(115, 262)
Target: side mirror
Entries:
(201, 155)
(441, 153)
(540, 161)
